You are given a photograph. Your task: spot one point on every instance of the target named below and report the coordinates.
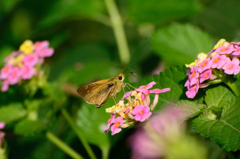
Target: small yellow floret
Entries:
(219, 43)
(109, 110)
(191, 64)
(202, 56)
(27, 47)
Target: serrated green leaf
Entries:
(173, 78)
(180, 44)
(218, 97)
(155, 11)
(191, 108)
(12, 112)
(226, 131)
(92, 121)
(29, 127)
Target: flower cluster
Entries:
(24, 63)
(132, 108)
(213, 67)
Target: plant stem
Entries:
(68, 150)
(79, 134)
(105, 152)
(118, 31)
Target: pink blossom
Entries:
(14, 76)
(2, 125)
(150, 85)
(205, 64)
(141, 113)
(117, 122)
(109, 123)
(47, 52)
(151, 140)
(193, 75)
(27, 71)
(30, 60)
(5, 71)
(5, 85)
(126, 95)
(39, 45)
(187, 84)
(236, 51)
(157, 91)
(192, 90)
(218, 61)
(144, 89)
(232, 67)
(205, 75)
(235, 43)
(225, 49)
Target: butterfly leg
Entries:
(127, 85)
(114, 98)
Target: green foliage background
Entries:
(159, 33)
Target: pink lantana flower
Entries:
(5, 71)
(193, 75)
(27, 72)
(5, 85)
(134, 107)
(232, 67)
(192, 91)
(117, 122)
(236, 51)
(39, 45)
(157, 91)
(2, 125)
(205, 64)
(109, 123)
(141, 113)
(225, 49)
(24, 63)
(47, 52)
(218, 61)
(30, 60)
(145, 88)
(14, 75)
(126, 95)
(205, 75)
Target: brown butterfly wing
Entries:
(97, 92)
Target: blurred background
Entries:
(159, 34)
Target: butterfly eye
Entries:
(120, 77)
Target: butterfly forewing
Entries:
(97, 92)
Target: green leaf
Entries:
(218, 97)
(156, 11)
(191, 108)
(29, 127)
(180, 44)
(226, 131)
(92, 121)
(173, 78)
(12, 112)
